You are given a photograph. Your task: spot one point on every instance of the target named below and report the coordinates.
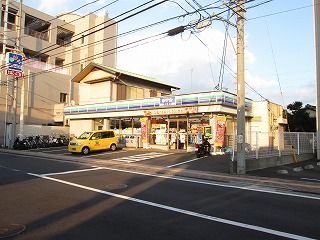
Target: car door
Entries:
(107, 139)
(95, 142)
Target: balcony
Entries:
(36, 27)
(64, 37)
(33, 63)
(36, 34)
(11, 26)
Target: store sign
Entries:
(14, 73)
(171, 111)
(14, 62)
(167, 101)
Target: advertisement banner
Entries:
(144, 129)
(220, 130)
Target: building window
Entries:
(59, 62)
(121, 92)
(82, 39)
(63, 97)
(153, 93)
(134, 93)
(81, 66)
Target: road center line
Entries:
(178, 210)
(75, 171)
(192, 160)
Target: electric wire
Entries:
(224, 51)
(281, 12)
(57, 17)
(97, 30)
(133, 30)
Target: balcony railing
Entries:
(65, 43)
(11, 26)
(32, 63)
(36, 34)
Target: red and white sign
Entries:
(14, 73)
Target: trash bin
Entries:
(132, 141)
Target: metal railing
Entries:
(41, 35)
(34, 63)
(262, 144)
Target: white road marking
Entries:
(178, 164)
(190, 180)
(311, 179)
(254, 189)
(140, 157)
(182, 211)
(97, 154)
(75, 171)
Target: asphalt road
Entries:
(69, 200)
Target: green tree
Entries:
(298, 118)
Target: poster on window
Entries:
(220, 130)
(144, 130)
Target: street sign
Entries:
(15, 64)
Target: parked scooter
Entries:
(203, 149)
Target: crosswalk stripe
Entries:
(140, 157)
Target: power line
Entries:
(109, 20)
(281, 12)
(44, 31)
(115, 36)
(14, 40)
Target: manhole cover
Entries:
(11, 230)
(116, 186)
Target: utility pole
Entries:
(5, 31)
(15, 81)
(316, 8)
(18, 44)
(241, 161)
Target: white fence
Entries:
(34, 130)
(261, 144)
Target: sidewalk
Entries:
(245, 181)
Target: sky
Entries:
(279, 46)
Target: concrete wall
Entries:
(79, 126)
(254, 164)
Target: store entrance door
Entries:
(178, 134)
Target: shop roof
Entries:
(116, 72)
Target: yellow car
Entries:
(93, 141)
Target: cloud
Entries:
(180, 61)
(53, 7)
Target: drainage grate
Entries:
(116, 186)
(11, 230)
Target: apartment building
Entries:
(56, 49)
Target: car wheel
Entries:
(85, 150)
(113, 147)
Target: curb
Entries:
(243, 180)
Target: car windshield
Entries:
(85, 135)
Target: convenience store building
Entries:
(158, 118)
